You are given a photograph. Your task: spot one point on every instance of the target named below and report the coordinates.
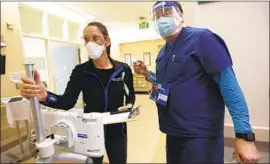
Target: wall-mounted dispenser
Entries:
(3, 56)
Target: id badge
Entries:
(160, 93)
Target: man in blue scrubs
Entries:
(195, 71)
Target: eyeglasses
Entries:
(94, 38)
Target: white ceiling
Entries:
(115, 14)
(122, 18)
(117, 11)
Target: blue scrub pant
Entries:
(183, 150)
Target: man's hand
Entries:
(126, 107)
(140, 68)
(246, 151)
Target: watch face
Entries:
(250, 137)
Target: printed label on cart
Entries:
(81, 135)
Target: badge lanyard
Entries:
(170, 54)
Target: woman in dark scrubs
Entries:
(104, 83)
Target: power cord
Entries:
(32, 137)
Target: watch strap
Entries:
(246, 136)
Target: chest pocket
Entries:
(160, 57)
(181, 68)
(159, 68)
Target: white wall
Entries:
(131, 33)
(245, 28)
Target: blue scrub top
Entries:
(195, 106)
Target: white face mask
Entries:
(94, 50)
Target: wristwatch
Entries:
(246, 136)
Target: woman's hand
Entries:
(33, 88)
(126, 107)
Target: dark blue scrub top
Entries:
(195, 106)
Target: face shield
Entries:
(167, 18)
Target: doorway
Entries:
(64, 59)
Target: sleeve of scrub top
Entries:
(234, 100)
(130, 98)
(152, 78)
(215, 59)
(211, 53)
(70, 96)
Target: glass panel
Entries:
(55, 26)
(35, 51)
(73, 31)
(31, 20)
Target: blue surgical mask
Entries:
(165, 26)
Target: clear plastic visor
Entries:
(170, 11)
(167, 20)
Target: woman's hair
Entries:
(104, 31)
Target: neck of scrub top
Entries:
(103, 62)
(171, 38)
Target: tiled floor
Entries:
(152, 142)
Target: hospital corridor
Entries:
(147, 144)
(112, 82)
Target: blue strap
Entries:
(234, 100)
